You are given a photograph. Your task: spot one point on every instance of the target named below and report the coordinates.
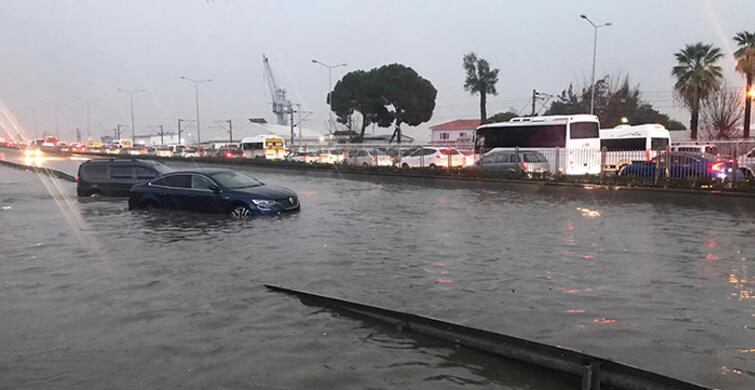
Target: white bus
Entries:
(625, 144)
(270, 147)
(571, 143)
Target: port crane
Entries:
(281, 105)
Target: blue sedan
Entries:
(214, 191)
(684, 165)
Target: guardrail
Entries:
(592, 370)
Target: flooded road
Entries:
(95, 296)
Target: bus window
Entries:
(659, 143)
(585, 130)
(623, 144)
(548, 136)
(252, 146)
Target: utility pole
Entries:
(229, 130)
(131, 100)
(118, 131)
(161, 134)
(534, 98)
(292, 126)
(179, 130)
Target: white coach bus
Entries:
(625, 144)
(571, 143)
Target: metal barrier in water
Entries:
(593, 371)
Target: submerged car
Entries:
(115, 177)
(214, 191)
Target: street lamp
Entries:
(330, 88)
(594, 53)
(87, 101)
(196, 96)
(131, 100)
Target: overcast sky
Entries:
(52, 52)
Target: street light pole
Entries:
(196, 97)
(594, 56)
(87, 102)
(131, 100)
(330, 89)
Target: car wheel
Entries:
(404, 165)
(241, 211)
(433, 166)
(95, 194)
(365, 164)
(150, 205)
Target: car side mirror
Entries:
(213, 188)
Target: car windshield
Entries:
(235, 180)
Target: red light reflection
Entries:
(445, 281)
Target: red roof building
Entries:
(460, 130)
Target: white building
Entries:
(460, 130)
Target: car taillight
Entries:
(78, 180)
(228, 154)
(374, 159)
(717, 166)
(524, 165)
(437, 156)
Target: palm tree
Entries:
(745, 57)
(697, 77)
(480, 79)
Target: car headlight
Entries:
(264, 203)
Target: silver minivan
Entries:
(508, 161)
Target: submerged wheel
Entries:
(240, 211)
(404, 165)
(433, 166)
(365, 164)
(150, 205)
(95, 194)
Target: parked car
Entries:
(746, 163)
(115, 177)
(684, 165)
(78, 148)
(700, 149)
(213, 190)
(433, 158)
(137, 151)
(229, 153)
(369, 158)
(163, 151)
(469, 157)
(190, 152)
(498, 160)
(305, 157)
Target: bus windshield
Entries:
(584, 130)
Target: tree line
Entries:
(699, 87)
(395, 94)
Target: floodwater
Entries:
(95, 296)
